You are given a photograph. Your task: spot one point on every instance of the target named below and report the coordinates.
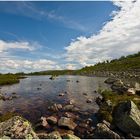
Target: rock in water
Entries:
(68, 107)
(55, 107)
(127, 117)
(52, 120)
(17, 128)
(67, 122)
(103, 132)
(61, 94)
(44, 122)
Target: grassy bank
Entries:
(8, 79)
(105, 111)
(128, 63)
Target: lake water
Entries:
(36, 93)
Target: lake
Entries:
(36, 93)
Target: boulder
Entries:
(110, 80)
(17, 128)
(119, 86)
(51, 120)
(131, 91)
(44, 122)
(127, 117)
(67, 122)
(103, 132)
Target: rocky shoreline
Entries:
(66, 121)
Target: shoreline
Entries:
(84, 128)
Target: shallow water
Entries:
(33, 102)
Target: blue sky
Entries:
(38, 36)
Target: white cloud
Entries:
(23, 45)
(120, 36)
(12, 65)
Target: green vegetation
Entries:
(7, 116)
(8, 79)
(128, 63)
(53, 72)
(105, 111)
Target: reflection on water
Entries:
(37, 92)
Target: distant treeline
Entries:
(53, 72)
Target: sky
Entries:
(49, 35)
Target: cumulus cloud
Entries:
(13, 65)
(120, 36)
(23, 45)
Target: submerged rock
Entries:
(67, 122)
(55, 107)
(17, 128)
(44, 122)
(52, 120)
(68, 107)
(127, 117)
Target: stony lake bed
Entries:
(38, 96)
(69, 107)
